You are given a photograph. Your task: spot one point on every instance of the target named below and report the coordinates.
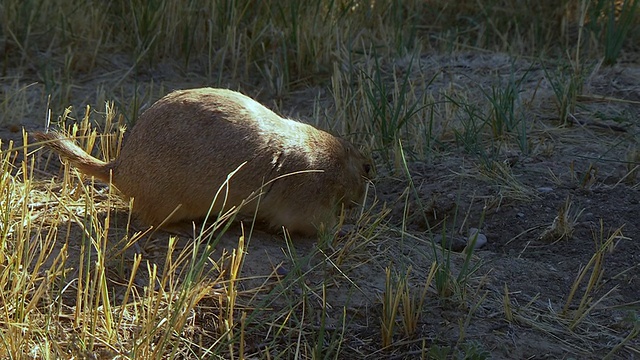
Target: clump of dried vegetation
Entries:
(75, 282)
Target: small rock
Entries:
(588, 217)
(479, 238)
(520, 215)
(281, 271)
(545, 189)
(454, 243)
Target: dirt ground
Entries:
(513, 199)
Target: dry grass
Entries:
(77, 277)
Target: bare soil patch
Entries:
(513, 196)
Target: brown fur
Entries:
(182, 149)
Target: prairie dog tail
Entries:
(79, 158)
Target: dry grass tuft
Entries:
(563, 224)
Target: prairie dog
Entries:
(182, 149)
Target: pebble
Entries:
(481, 239)
(282, 271)
(588, 217)
(455, 243)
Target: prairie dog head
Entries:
(359, 170)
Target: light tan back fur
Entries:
(182, 149)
